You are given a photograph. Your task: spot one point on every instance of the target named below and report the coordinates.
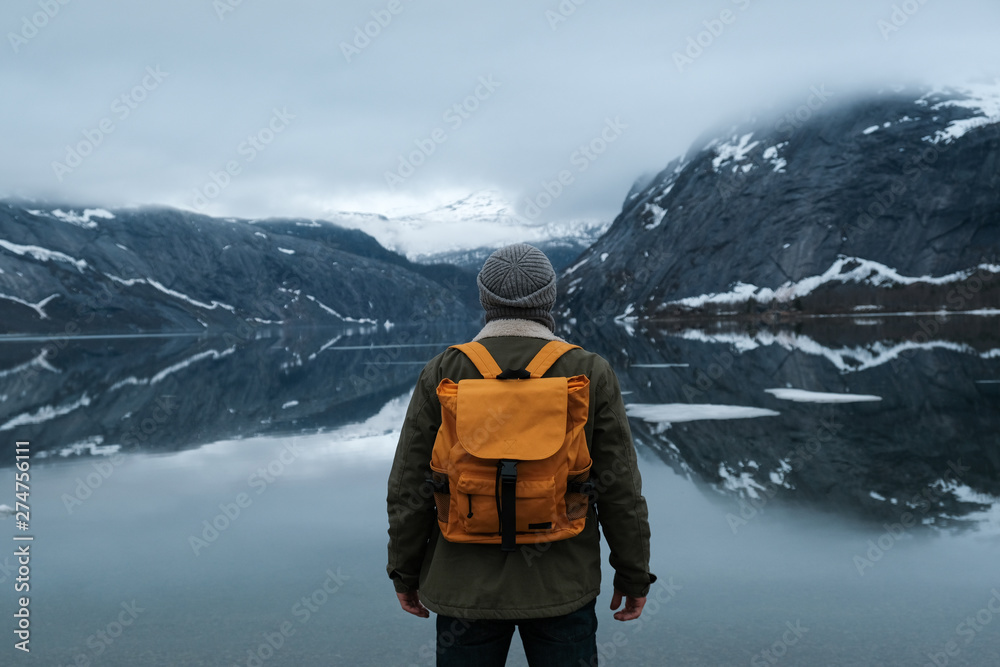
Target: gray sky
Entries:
(329, 125)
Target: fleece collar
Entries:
(523, 328)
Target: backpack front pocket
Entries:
(479, 504)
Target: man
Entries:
(547, 590)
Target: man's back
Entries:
(549, 580)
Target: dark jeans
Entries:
(560, 641)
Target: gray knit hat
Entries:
(518, 282)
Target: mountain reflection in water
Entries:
(837, 486)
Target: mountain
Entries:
(858, 421)
(97, 396)
(886, 203)
(68, 270)
(464, 232)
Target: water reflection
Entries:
(248, 526)
(848, 419)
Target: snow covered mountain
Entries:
(466, 231)
(863, 421)
(885, 204)
(70, 271)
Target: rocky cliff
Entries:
(887, 203)
(70, 271)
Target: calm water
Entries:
(201, 501)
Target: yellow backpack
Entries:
(510, 463)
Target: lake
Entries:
(825, 493)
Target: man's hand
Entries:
(411, 604)
(632, 610)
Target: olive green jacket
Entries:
(537, 580)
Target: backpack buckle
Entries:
(508, 470)
(514, 374)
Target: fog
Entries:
(114, 104)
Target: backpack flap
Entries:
(512, 419)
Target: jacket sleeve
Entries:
(410, 499)
(621, 508)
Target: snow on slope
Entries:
(845, 269)
(482, 219)
(982, 99)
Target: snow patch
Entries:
(735, 151)
(658, 214)
(845, 269)
(336, 314)
(166, 290)
(286, 251)
(82, 220)
(981, 99)
(686, 412)
(37, 307)
(772, 156)
(45, 414)
(803, 396)
(43, 254)
(91, 445)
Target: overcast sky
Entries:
(310, 114)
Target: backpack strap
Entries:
(548, 356)
(480, 356)
(488, 367)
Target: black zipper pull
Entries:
(469, 515)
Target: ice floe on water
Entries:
(803, 396)
(686, 412)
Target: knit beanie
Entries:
(518, 282)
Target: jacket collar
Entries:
(523, 328)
